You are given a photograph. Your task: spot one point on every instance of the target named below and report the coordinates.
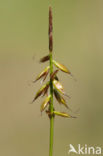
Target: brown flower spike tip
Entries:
(50, 30)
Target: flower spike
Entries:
(41, 91)
(44, 59)
(45, 103)
(62, 114)
(59, 87)
(59, 98)
(53, 75)
(44, 74)
(61, 67)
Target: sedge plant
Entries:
(56, 88)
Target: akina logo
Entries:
(85, 150)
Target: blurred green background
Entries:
(78, 43)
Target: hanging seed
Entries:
(53, 75)
(59, 87)
(46, 91)
(44, 74)
(45, 58)
(59, 98)
(61, 67)
(40, 91)
(56, 78)
(57, 95)
(45, 103)
(62, 114)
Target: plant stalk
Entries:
(51, 109)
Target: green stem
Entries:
(51, 109)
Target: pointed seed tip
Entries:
(50, 7)
(73, 117)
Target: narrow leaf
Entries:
(60, 99)
(61, 67)
(43, 73)
(62, 114)
(45, 58)
(40, 91)
(45, 103)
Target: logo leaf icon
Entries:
(72, 149)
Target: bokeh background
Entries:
(78, 43)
